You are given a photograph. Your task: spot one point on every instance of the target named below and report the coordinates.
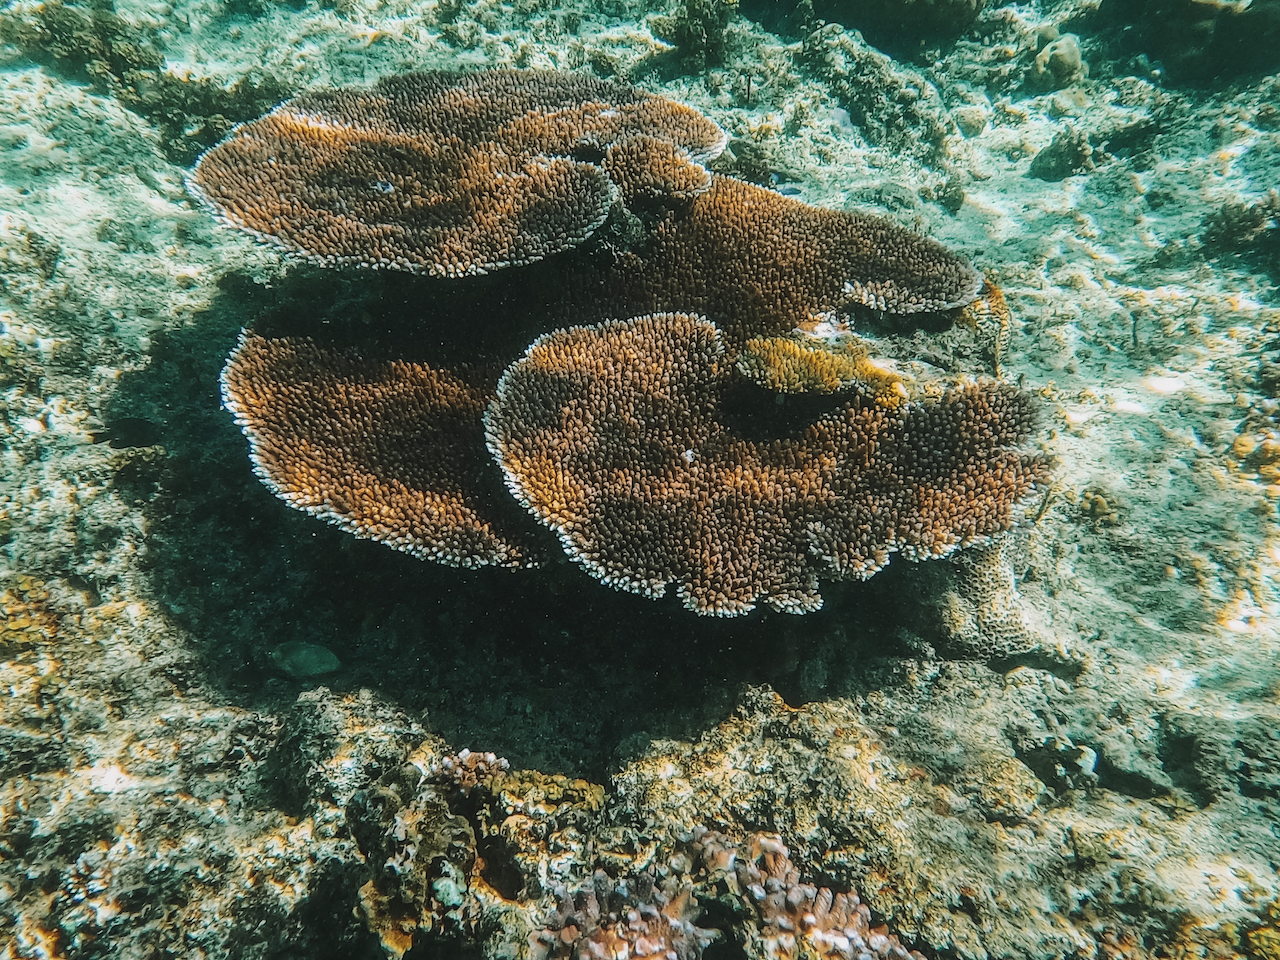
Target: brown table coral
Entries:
(758, 263)
(385, 449)
(593, 197)
(616, 437)
(439, 173)
(451, 174)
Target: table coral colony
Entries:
(614, 431)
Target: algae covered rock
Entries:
(304, 660)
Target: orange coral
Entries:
(801, 920)
(990, 317)
(439, 173)
(789, 365)
(617, 438)
(387, 450)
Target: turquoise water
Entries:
(233, 729)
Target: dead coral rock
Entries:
(617, 438)
(1069, 153)
(1059, 64)
(893, 107)
(387, 450)
(439, 173)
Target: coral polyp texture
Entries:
(792, 365)
(387, 450)
(453, 174)
(618, 437)
(440, 173)
(634, 920)
(796, 919)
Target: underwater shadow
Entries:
(546, 667)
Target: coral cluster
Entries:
(617, 438)
(1068, 154)
(610, 920)
(534, 866)
(621, 436)
(801, 920)
(781, 916)
(466, 770)
(439, 173)
(383, 448)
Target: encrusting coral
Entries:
(617, 437)
(439, 173)
(387, 450)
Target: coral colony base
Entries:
(616, 436)
(612, 338)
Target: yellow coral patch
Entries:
(787, 365)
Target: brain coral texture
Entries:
(615, 436)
